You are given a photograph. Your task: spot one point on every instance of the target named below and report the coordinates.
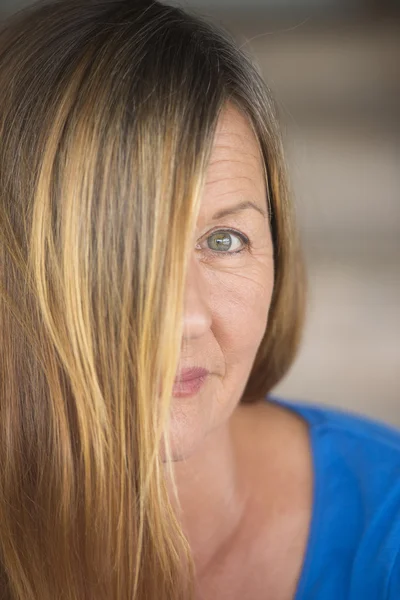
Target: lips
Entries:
(190, 374)
(189, 382)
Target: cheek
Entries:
(240, 311)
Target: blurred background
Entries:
(334, 68)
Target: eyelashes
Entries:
(223, 239)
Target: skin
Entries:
(243, 472)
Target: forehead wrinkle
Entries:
(243, 134)
(219, 143)
(242, 193)
(217, 161)
(238, 147)
(256, 168)
(230, 179)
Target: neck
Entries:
(213, 495)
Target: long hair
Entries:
(108, 110)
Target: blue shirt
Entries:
(353, 549)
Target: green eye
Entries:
(220, 242)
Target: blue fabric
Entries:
(353, 550)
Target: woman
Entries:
(152, 295)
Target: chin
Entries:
(184, 443)
(193, 419)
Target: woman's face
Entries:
(228, 293)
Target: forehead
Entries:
(236, 155)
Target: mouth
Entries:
(190, 374)
(188, 382)
(184, 388)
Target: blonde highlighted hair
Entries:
(108, 109)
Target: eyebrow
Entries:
(237, 208)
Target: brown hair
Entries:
(108, 110)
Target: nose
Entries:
(197, 314)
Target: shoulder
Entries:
(352, 440)
(356, 514)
